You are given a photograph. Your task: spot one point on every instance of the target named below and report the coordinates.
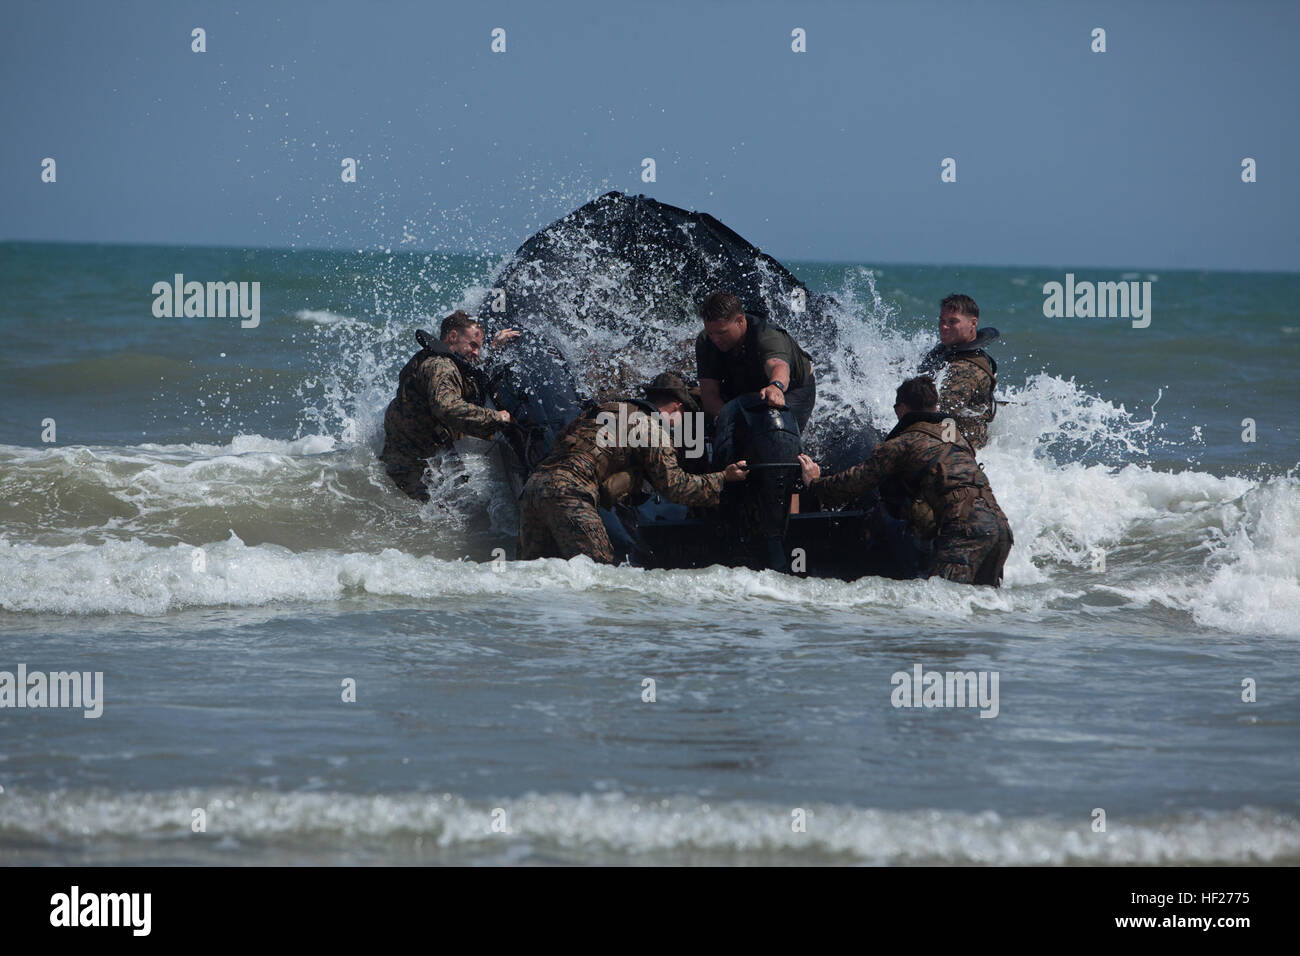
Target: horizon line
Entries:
(389, 250)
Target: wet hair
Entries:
(961, 304)
(458, 321)
(719, 305)
(918, 394)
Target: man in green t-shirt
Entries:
(740, 354)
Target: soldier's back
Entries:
(940, 468)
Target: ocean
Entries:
(194, 509)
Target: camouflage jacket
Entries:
(436, 404)
(588, 453)
(966, 389)
(938, 475)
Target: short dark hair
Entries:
(918, 394)
(458, 321)
(719, 305)
(961, 304)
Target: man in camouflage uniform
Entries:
(558, 512)
(440, 396)
(929, 457)
(970, 374)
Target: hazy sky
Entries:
(1064, 157)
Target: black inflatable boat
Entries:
(610, 290)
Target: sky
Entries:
(1064, 157)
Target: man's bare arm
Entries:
(776, 371)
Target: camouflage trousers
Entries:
(974, 551)
(561, 521)
(412, 474)
(409, 477)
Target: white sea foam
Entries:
(1233, 562)
(325, 317)
(137, 578)
(1251, 579)
(1223, 550)
(147, 452)
(615, 826)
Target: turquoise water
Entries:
(519, 687)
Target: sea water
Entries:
(301, 665)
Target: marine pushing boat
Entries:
(606, 297)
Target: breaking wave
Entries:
(258, 826)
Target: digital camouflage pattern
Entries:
(966, 394)
(558, 510)
(436, 404)
(942, 479)
(561, 523)
(975, 551)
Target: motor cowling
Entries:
(751, 430)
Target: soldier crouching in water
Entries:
(558, 512)
(440, 396)
(936, 465)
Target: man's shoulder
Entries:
(923, 433)
(773, 337)
(628, 412)
(909, 437)
(441, 365)
(434, 360)
(935, 359)
(638, 417)
(974, 363)
(776, 342)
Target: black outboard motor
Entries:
(768, 439)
